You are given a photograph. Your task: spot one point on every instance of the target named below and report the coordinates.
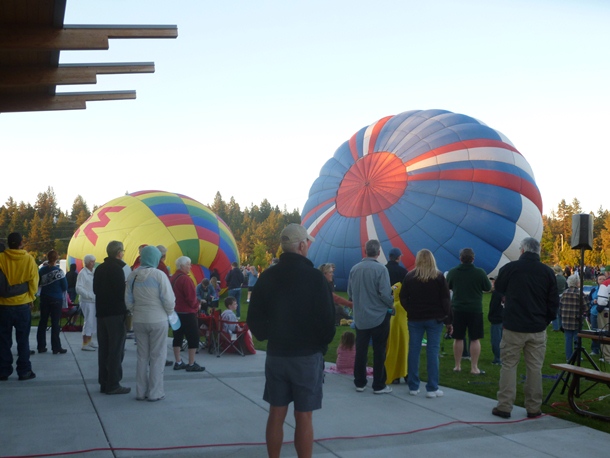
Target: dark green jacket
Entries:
(468, 283)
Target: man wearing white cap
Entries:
(292, 308)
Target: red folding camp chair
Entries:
(207, 329)
(239, 341)
(71, 316)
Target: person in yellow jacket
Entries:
(19, 270)
(398, 342)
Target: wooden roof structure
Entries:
(32, 35)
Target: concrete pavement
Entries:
(220, 412)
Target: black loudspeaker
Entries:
(582, 231)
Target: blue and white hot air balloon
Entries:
(423, 179)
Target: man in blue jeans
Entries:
(18, 268)
(369, 288)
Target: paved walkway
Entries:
(220, 412)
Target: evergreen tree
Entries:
(79, 208)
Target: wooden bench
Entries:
(578, 373)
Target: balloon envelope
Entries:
(183, 225)
(423, 179)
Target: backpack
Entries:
(7, 290)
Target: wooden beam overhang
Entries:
(76, 37)
(32, 36)
(63, 101)
(32, 76)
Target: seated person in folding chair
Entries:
(205, 294)
(244, 339)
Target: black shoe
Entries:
(168, 363)
(194, 368)
(42, 350)
(32, 352)
(120, 390)
(27, 376)
(61, 351)
(500, 413)
(3, 378)
(534, 414)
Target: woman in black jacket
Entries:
(425, 297)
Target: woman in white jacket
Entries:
(84, 289)
(149, 297)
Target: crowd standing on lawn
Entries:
(53, 289)
(531, 301)
(84, 289)
(18, 283)
(603, 309)
(292, 308)
(369, 288)
(425, 296)
(467, 282)
(111, 313)
(150, 299)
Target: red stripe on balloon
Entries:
(501, 179)
(176, 219)
(376, 131)
(316, 229)
(408, 259)
(465, 144)
(207, 235)
(314, 210)
(103, 222)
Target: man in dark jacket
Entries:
(235, 279)
(109, 289)
(292, 308)
(396, 271)
(531, 302)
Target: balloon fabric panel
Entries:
(184, 226)
(423, 179)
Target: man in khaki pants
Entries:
(531, 302)
(603, 312)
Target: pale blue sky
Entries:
(254, 96)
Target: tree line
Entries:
(257, 228)
(45, 226)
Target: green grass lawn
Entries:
(596, 399)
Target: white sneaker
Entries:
(434, 394)
(414, 392)
(92, 344)
(359, 389)
(384, 390)
(87, 348)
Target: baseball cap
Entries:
(395, 252)
(294, 233)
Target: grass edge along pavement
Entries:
(597, 399)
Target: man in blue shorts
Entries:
(292, 308)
